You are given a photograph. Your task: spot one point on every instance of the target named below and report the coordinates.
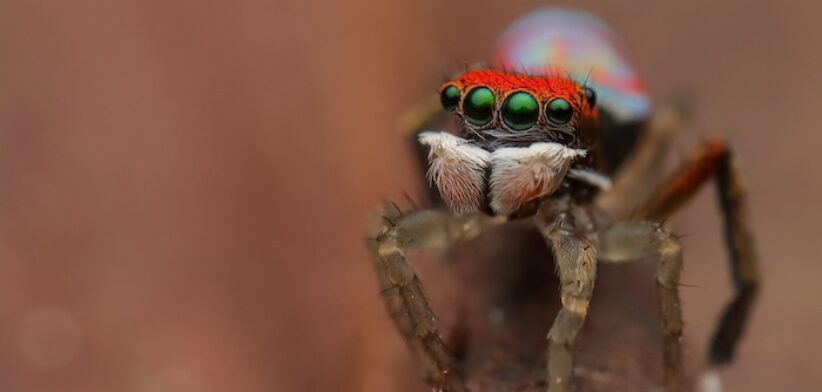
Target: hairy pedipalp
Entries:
(519, 175)
(457, 167)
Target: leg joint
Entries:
(566, 327)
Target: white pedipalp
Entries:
(521, 174)
(460, 170)
(457, 167)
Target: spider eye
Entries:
(520, 111)
(559, 111)
(590, 96)
(450, 97)
(479, 106)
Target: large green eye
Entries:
(520, 111)
(479, 106)
(559, 111)
(450, 97)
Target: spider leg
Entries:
(633, 240)
(403, 292)
(715, 160)
(712, 160)
(637, 177)
(575, 254)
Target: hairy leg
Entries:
(403, 292)
(575, 255)
(714, 159)
(633, 240)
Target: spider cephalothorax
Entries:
(521, 135)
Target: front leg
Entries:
(403, 292)
(575, 254)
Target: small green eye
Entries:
(559, 111)
(520, 111)
(479, 106)
(450, 97)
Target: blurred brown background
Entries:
(184, 185)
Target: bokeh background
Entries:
(184, 184)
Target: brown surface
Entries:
(183, 185)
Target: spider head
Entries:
(499, 109)
(520, 136)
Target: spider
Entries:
(536, 145)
